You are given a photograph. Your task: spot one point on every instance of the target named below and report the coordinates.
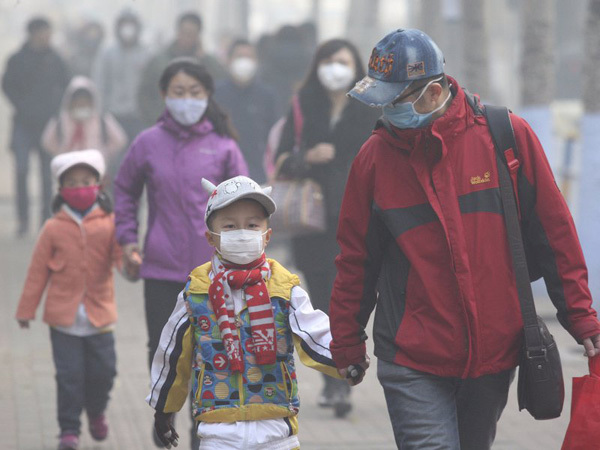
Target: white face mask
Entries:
(335, 76)
(81, 114)
(243, 69)
(241, 246)
(186, 111)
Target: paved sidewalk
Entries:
(27, 389)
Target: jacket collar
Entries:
(202, 128)
(66, 213)
(455, 119)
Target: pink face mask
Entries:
(80, 198)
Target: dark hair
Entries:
(214, 113)
(191, 17)
(240, 42)
(37, 24)
(128, 17)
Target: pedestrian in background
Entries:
(333, 130)
(285, 59)
(73, 258)
(187, 43)
(83, 46)
(34, 82)
(118, 72)
(423, 240)
(81, 124)
(250, 104)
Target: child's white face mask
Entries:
(241, 246)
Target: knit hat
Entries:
(91, 158)
(234, 189)
(397, 60)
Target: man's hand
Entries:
(163, 426)
(592, 346)
(132, 260)
(355, 373)
(320, 154)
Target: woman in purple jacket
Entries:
(193, 139)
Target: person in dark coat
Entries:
(334, 130)
(187, 43)
(34, 82)
(250, 104)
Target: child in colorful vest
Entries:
(233, 333)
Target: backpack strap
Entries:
(504, 140)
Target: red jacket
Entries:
(423, 240)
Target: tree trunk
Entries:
(476, 48)
(537, 72)
(589, 185)
(363, 25)
(537, 60)
(431, 20)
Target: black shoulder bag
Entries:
(540, 387)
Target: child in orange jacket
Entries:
(73, 258)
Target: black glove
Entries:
(163, 426)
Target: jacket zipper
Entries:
(200, 385)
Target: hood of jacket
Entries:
(77, 83)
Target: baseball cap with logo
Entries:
(234, 189)
(397, 60)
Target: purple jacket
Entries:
(170, 160)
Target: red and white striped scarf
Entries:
(251, 278)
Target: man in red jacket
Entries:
(423, 239)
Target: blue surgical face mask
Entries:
(186, 111)
(404, 115)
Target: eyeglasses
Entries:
(408, 94)
(421, 87)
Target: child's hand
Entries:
(163, 426)
(23, 323)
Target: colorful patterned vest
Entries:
(261, 391)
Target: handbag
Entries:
(540, 385)
(583, 432)
(300, 202)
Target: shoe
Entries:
(325, 399)
(341, 404)
(68, 441)
(98, 427)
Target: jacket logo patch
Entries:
(480, 180)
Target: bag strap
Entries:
(298, 123)
(504, 141)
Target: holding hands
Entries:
(132, 261)
(355, 373)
